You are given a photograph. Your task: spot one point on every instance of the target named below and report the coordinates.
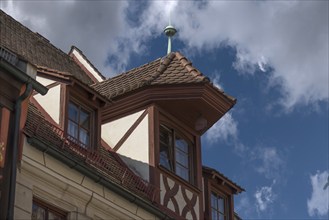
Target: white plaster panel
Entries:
(179, 197)
(197, 207)
(180, 200)
(51, 102)
(189, 194)
(189, 215)
(87, 65)
(135, 150)
(44, 81)
(171, 183)
(170, 205)
(113, 131)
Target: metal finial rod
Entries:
(169, 31)
(169, 45)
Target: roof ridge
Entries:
(122, 74)
(191, 69)
(164, 63)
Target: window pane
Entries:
(165, 136)
(221, 217)
(221, 204)
(84, 119)
(73, 112)
(214, 214)
(181, 144)
(72, 129)
(182, 158)
(84, 136)
(38, 213)
(79, 124)
(174, 152)
(164, 157)
(213, 201)
(166, 147)
(182, 172)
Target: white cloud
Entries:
(94, 27)
(318, 205)
(264, 198)
(269, 162)
(289, 38)
(224, 130)
(244, 206)
(216, 80)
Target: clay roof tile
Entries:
(36, 49)
(171, 69)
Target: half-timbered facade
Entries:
(126, 147)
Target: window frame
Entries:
(48, 209)
(188, 138)
(91, 113)
(226, 206)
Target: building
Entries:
(17, 82)
(126, 147)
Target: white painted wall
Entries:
(44, 81)
(86, 65)
(51, 102)
(135, 150)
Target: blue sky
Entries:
(271, 55)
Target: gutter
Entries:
(23, 77)
(30, 85)
(85, 170)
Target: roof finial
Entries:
(169, 31)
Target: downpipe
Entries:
(12, 186)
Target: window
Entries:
(175, 153)
(42, 211)
(79, 123)
(218, 207)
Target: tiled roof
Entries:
(223, 177)
(36, 49)
(88, 61)
(174, 69)
(105, 163)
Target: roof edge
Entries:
(216, 174)
(73, 47)
(88, 172)
(189, 67)
(164, 63)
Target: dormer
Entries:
(157, 115)
(219, 194)
(78, 56)
(72, 106)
